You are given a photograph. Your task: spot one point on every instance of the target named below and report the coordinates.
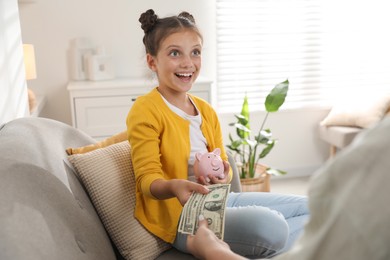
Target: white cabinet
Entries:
(100, 108)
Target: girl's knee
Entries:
(259, 228)
(273, 231)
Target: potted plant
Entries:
(250, 149)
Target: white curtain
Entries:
(13, 87)
(328, 50)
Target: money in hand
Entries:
(211, 205)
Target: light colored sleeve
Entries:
(348, 202)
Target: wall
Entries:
(51, 24)
(13, 89)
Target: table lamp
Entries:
(30, 71)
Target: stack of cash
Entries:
(211, 205)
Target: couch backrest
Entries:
(45, 212)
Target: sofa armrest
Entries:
(338, 136)
(235, 183)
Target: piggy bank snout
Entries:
(215, 162)
(208, 164)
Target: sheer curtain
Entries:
(328, 50)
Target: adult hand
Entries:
(205, 245)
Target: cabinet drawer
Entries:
(100, 108)
(101, 117)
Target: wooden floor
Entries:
(298, 185)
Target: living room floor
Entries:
(296, 185)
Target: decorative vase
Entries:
(261, 181)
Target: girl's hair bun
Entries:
(157, 29)
(148, 20)
(187, 16)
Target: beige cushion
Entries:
(358, 112)
(107, 174)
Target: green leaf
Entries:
(264, 136)
(233, 149)
(235, 144)
(244, 119)
(267, 149)
(245, 108)
(250, 142)
(230, 137)
(242, 127)
(242, 131)
(276, 97)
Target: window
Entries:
(328, 50)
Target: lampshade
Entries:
(29, 61)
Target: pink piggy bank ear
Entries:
(217, 151)
(198, 155)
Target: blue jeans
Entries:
(260, 224)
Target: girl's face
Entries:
(178, 61)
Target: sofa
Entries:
(46, 210)
(347, 120)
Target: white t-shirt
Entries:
(197, 139)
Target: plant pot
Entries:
(261, 182)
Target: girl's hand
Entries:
(181, 189)
(216, 180)
(184, 188)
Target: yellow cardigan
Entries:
(160, 149)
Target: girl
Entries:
(168, 126)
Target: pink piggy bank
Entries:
(209, 164)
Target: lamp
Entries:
(30, 71)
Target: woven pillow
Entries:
(359, 112)
(107, 174)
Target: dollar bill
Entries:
(211, 205)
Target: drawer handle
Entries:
(133, 99)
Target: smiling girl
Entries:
(168, 126)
